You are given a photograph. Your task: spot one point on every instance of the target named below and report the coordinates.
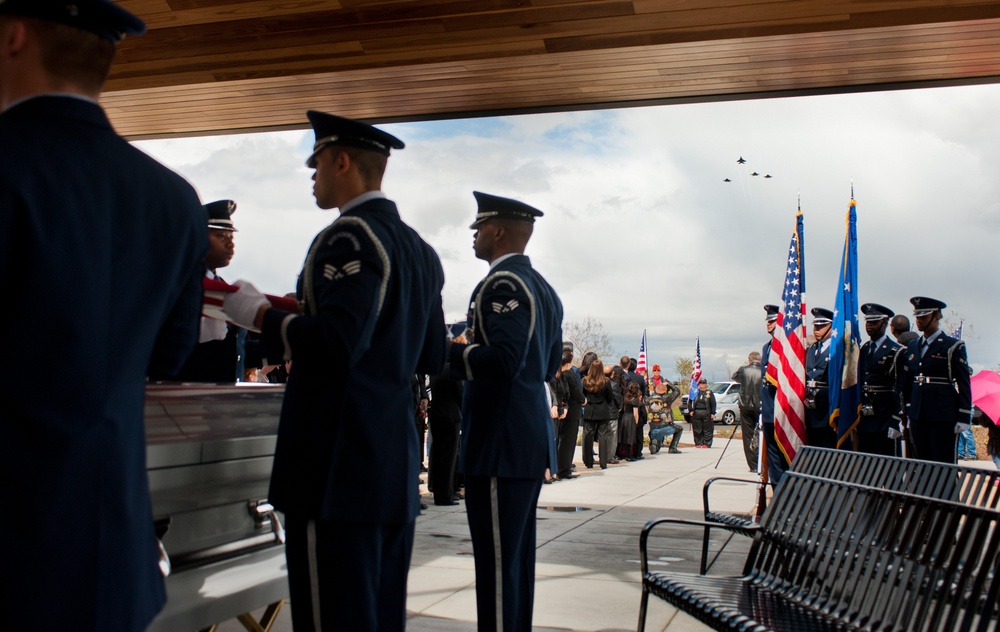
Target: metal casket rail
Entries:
(209, 450)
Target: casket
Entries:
(209, 450)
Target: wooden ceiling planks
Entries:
(217, 66)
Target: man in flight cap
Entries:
(819, 432)
(347, 461)
(877, 376)
(515, 330)
(103, 248)
(934, 384)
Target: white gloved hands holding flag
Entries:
(243, 305)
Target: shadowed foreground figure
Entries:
(102, 247)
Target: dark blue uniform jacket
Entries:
(101, 254)
(516, 319)
(372, 317)
(944, 396)
(876, 370)
(817, 363)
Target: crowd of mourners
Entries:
(613, 403)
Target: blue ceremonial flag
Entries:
(695, 372)
(845, 342)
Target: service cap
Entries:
(220, 214)
(922, 306)
(337, 130)
(496, 207)
(101, 17)
(771, 313)
(821, 316)
(703, 381)
(874, 311)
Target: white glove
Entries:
(212, 329)
(242, 305)
(894, 433)
(960, 427)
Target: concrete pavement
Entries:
(587, 568)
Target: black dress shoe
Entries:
(569, 476)
(548, 481)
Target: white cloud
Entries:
(641, 231)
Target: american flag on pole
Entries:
(695, 371)
(640, 363)
(957, 334)
(787, 367)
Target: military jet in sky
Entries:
(755, 174)
(727, 180)
(768, 176)
(741, 160)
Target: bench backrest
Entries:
(970, 485)
(880, 559)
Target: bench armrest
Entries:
(708, 483)
(748, 530)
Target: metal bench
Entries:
(963, 484)
(835, 555)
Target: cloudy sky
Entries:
(641, 232)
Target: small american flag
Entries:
(640, 364)
(695, 371)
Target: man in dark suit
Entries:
(347, 461)
(641, 413)
(445, 419)
(223, 351)
(750, 378)
(819, 432)
(877, 375)
(934, 384)
(101, 248)
(515, 347)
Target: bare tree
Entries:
(588, 335)
(950, 323)
(684, 366)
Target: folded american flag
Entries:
(216, 290)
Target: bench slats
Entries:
(872, 555)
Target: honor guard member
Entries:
(877, 375)
(347, 461)
(514, 348)
(101, 247)
(934, 385)
(223, 350)
(776, 465)
(819, 432)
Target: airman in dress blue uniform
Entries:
(819, 432)
(223, 350)
(776, 465)
(934, 384)
(101, 253)
(877, 375)
(347, 461)
(515, 330)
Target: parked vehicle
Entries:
(726, 402)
